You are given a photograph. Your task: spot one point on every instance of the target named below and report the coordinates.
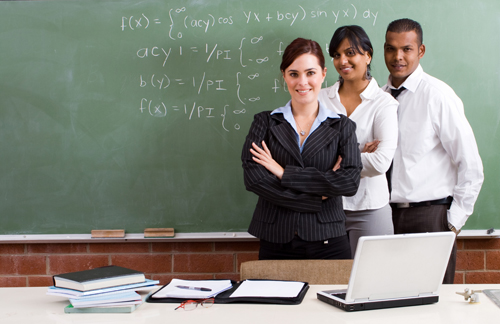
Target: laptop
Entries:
(394, 271)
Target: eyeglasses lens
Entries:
(207, 303)
(190, 305)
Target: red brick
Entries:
(11, 248)
(470, 260)
(482, 277)
(493, 260)
(75, 262)
(57, 248)
(23, 264)
(203, 263)
(244, 257)
(165, 279)
(40, 281)
(459, 278)
(147, 263)
(237, 246)
(230, 276)
(482, 244)
(12, 281)
(183, 247)
(119, 247)
(460, 244)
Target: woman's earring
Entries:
(368, 72)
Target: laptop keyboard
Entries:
(340, 295)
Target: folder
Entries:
(225, 296)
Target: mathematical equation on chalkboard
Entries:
(239, 68)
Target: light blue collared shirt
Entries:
(323, 114)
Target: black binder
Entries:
(223, 297)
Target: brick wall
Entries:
(31, 265)
(478, 261)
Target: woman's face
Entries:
(304, 78)
(350, 65)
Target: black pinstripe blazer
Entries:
(294, 203)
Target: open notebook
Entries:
(393, 271)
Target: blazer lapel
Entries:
(321, 137)
(285, 135)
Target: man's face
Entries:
(402, 54)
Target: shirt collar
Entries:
(369, 93)
(323, 113)
(411, 83)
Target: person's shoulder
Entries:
(438, 88)
(328, 92)
(385, 98)
(345, 122)
(263, 116)
(382, 100)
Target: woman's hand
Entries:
(371, 147)
(264, 158)
(337, 164)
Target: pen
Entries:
(194, 288)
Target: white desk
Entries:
(31, 305)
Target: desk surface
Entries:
(31, 305)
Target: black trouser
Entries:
(424, 219)
(297, 249)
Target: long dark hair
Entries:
(358, 39)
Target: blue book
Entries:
(111, 299)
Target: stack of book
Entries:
(110, 289)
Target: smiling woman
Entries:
(358, 96)
(290, 160)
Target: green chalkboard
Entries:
(132, 114)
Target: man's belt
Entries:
(443, 201)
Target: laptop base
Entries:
(379, 304)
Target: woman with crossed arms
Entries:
(288, 161)
(358, 96)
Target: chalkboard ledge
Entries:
(478, 234)
(133, 237)
(179, 237)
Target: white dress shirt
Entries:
(437, 155)
(376, 119)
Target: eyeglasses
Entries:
(192, 304)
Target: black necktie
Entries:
(396, 92)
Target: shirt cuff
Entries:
(456, 216)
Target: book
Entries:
(70, 293)
(109, 299)
(117, 309)
(103, 277)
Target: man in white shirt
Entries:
(437, 171)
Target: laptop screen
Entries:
(399, 266)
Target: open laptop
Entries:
(394, 271)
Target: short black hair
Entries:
(406, 25)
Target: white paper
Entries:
(268, 288)
(171, 291)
